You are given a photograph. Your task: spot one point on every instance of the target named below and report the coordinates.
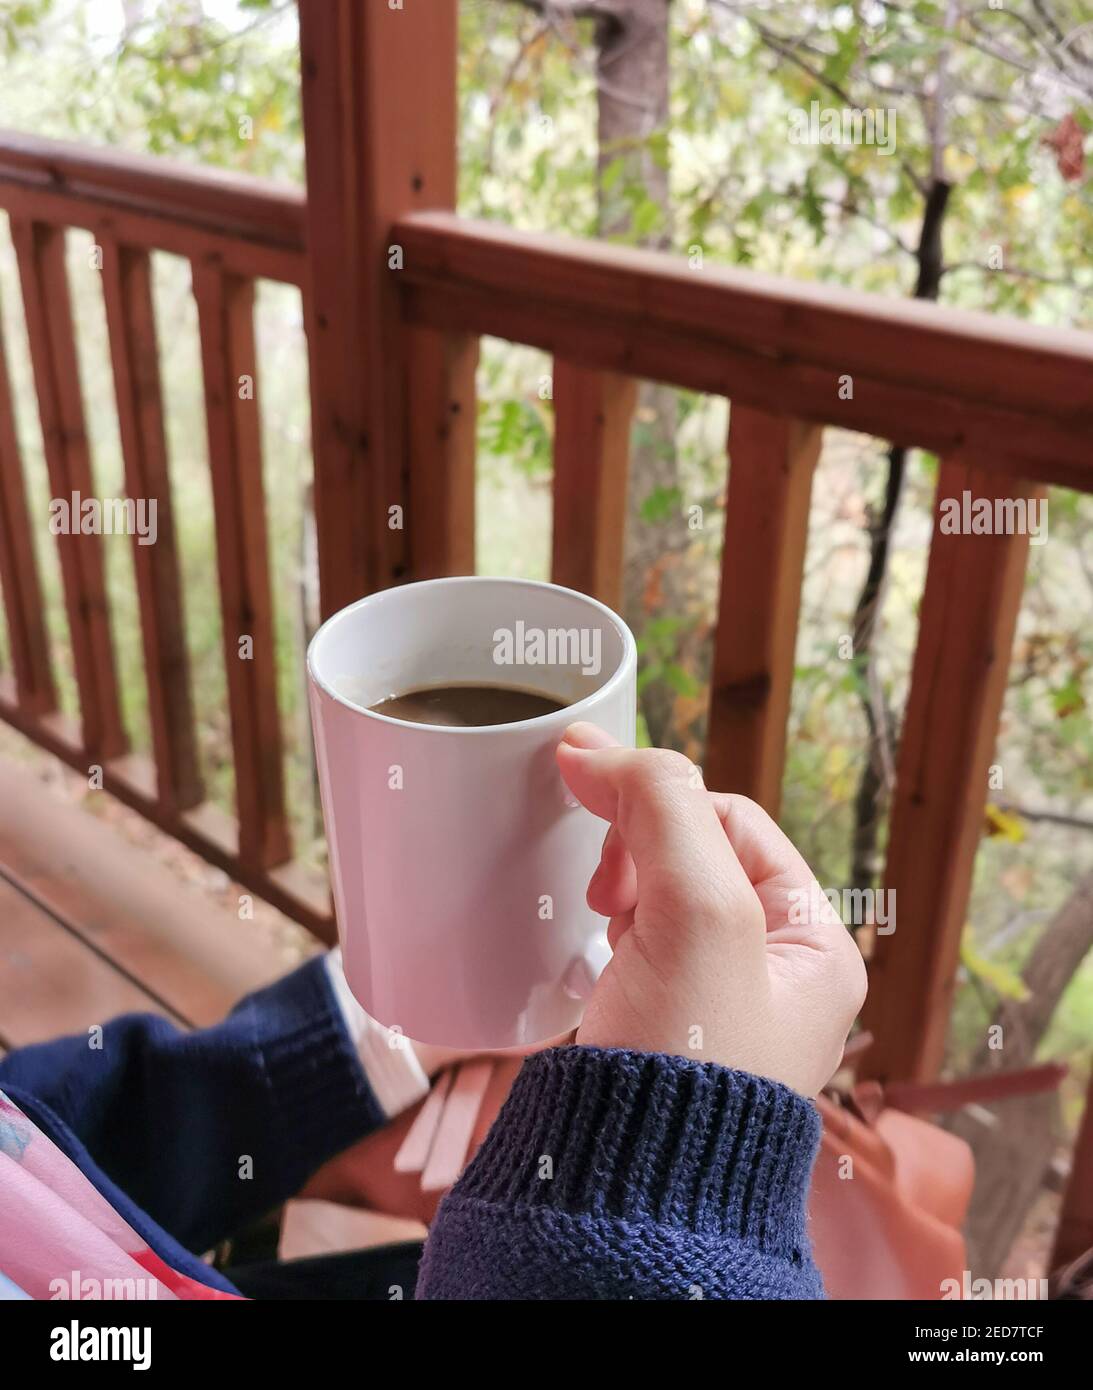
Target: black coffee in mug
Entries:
(468, 706)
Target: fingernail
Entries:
(588, 736)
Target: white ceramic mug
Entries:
(459, 861)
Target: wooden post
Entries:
(1075, 1234)
(966, 626)
(225, 307)
(41, 254)
(379, 106)
(19, 569)
(771, 462)
(439, 374)
(592, 415)
(130, 317)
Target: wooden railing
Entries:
(396, 295)
(232, 231)
(1007, 406)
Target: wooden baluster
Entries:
(771, 463)
(41, 255)
(375, 150)
(966, 626)
(1074, 1236)
(225, 305)
(592, 416)
(130, 316)
(439, 375)
(19, 569)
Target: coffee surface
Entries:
(468, 706)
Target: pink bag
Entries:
(61, 1239)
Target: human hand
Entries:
(724, 948)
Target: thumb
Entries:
(688, 876)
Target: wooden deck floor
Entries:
(90, 927)
(51, 981)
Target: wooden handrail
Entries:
(920, 374)
(923, 374)
(198, 195)
(253, 226)
(915, 370)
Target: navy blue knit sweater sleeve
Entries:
(173, 1118)
(613, 1175)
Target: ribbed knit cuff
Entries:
(317, 1087)
(647, 1137)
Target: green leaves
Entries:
(1068, 698)
(515, 430)
(661, 503)
(18, 21)
(1005, 982)
(658, 644)
(176, 82)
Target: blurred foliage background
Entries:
(667, 125)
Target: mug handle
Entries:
(580, 979)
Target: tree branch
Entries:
(1018, 273)
(780, 45)
(1048, 817)
(614, 10)
(506, 82)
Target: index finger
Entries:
(777, 871)
(684, 862)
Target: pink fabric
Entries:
(61, 1238)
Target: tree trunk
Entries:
(1063, 945)
(632, 125)
(1011, 1160)
(1012, 1156)
(632, 95)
